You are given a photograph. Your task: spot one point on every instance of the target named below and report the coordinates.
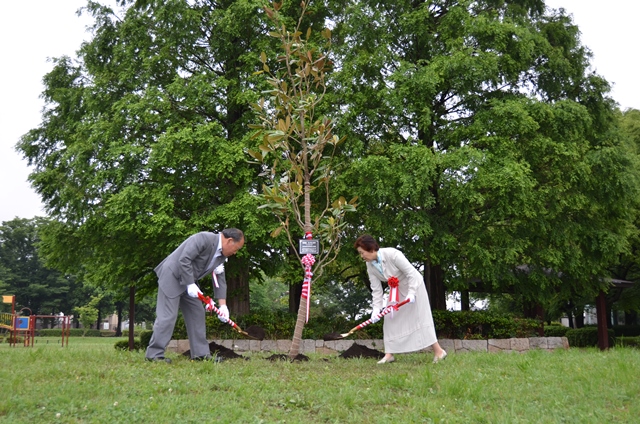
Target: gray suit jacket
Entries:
(189, 263)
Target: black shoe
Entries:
(159, 359)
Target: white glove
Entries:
(374, 317)
(223, 314)
(193, 290)
(209, 306)
(219, 269)
(412, 298)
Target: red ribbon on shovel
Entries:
(210, 306)
(384, 312)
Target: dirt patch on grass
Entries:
(282, 357)
(360, 351)
(218, 350)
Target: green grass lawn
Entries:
(90, 382)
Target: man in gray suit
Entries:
(178, 273)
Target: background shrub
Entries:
(481, 325)
(145, 337)
(586, 337)
(623, 341)
(626, 330)
(449, 324)
(555, 330)
(124, 345)
(73, 332)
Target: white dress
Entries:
(411, 327)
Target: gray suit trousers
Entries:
(166, 315)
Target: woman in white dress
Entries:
(410, 327)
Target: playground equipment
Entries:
(25, 326)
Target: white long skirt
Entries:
(411, 327)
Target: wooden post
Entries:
(601, 313)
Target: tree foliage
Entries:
(480, 144)
(476, 138)
(298, 147)
(88, 314)
(142, 140)
(23, 271)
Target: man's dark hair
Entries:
(233, 233)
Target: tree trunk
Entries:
(464, 300)
(295, 292)
(297, 333)
(132, 315)
(601, 313)
(630, 317)
(434, 280)
(579, 319)
(238, 293)
(119, 306)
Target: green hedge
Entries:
(481, 325)
(626, 330)
(623, 341)
(73, 332)
(555, 330)
(124, 345)
(586, 337)
(145, 336)
(139, 344)
(136, 333)
(449, 325)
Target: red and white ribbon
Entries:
(307, 260)
(393, 289)
(219, 270)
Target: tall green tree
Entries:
(481, 144)
(142, 140)
(298, 150)
(44, 290)
(628, 300)
(88, 314)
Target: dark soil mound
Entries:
(223, 351)
(360, 351)
(282, 357)
(220, 351)
(332, 336)
(256, 332)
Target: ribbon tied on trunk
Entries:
(307, 260)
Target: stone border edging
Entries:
(336, 346)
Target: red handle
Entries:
(207, 301)
(384, 312)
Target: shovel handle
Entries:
(384, 312)
(207, 301)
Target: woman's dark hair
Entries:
(367, 243)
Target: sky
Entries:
(33, 31)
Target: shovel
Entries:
(258, 333)
(384, 312)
